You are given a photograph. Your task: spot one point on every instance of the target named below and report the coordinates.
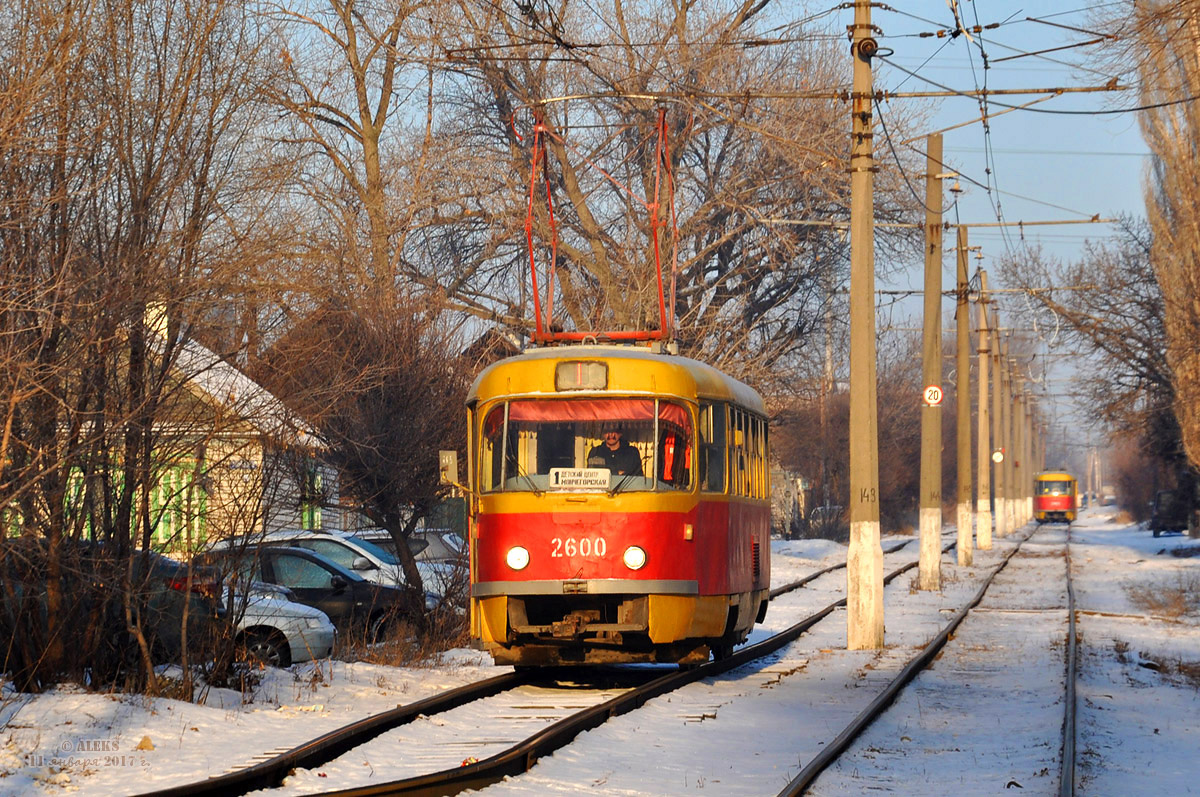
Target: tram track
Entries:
(834, 749)
(521, 757)
(1066, 785)
(271, 772)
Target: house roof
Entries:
(214, 380)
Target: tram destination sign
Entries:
(579, 478)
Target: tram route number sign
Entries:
(933, 395)
(579, 478)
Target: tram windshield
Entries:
(586, 445)
(1046, 487)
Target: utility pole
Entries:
(826, 386)
(864, 560)
(998, 425)
(1006, 407)
(1030, 447)
(962, 401)
(931, 360)
(983, 495)
(1091, 472)
(1020, 466)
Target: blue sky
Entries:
(1082, 164)
(1044, 166)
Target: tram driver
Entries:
(615, 454)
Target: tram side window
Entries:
(712, 448)
(491, 450)
(747, 455)
(764, 462)
(737, 453)
(754, 427)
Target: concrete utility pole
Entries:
(864, 560)
(1030, 455)
(931, 360)
(1090, 473)
(983, 495)
(962, 401)
(1019, 464)
(998, 424)
(1006, 407)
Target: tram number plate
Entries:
(584, 546)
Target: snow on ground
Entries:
(985, 718)
(70, 740)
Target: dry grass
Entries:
(1175, 596)
(405, 647)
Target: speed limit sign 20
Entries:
(933, 395)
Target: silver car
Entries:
(277, 631)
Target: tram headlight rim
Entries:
(517, 557)
(634, 557)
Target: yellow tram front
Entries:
(620, 507)
(1055, 497)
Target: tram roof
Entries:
(1060, 475)
(684, 375)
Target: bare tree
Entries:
(749, 153)
(121, 187)
(385, 389)
(1112, 310)
(1158, 46)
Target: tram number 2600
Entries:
(585, 546)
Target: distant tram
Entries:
(1055, 497)
(620, 508)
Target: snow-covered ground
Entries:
(985, 719)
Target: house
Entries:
(232, 459)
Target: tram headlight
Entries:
(517, 558)
(634, 557)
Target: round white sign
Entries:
(997, 456)
(933, 395)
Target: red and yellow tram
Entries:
(1055, 497)
(620, 507)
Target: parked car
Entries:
(160, 587)
(427, 546)
(441, 557)
(359, 555)
(274, 629)
(352, 603)
(1170, 512)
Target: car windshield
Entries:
(586, 445)
(383, 555)
(293, 558)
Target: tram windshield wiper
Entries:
(521, 474)
(616, 488)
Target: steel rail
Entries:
(269, 774)
(317, 752)
(521, 757)
(875, 709)
(1066, 781)
(795, 585)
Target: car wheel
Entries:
(267, 648)
(379, 628)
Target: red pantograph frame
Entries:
(543, 329)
